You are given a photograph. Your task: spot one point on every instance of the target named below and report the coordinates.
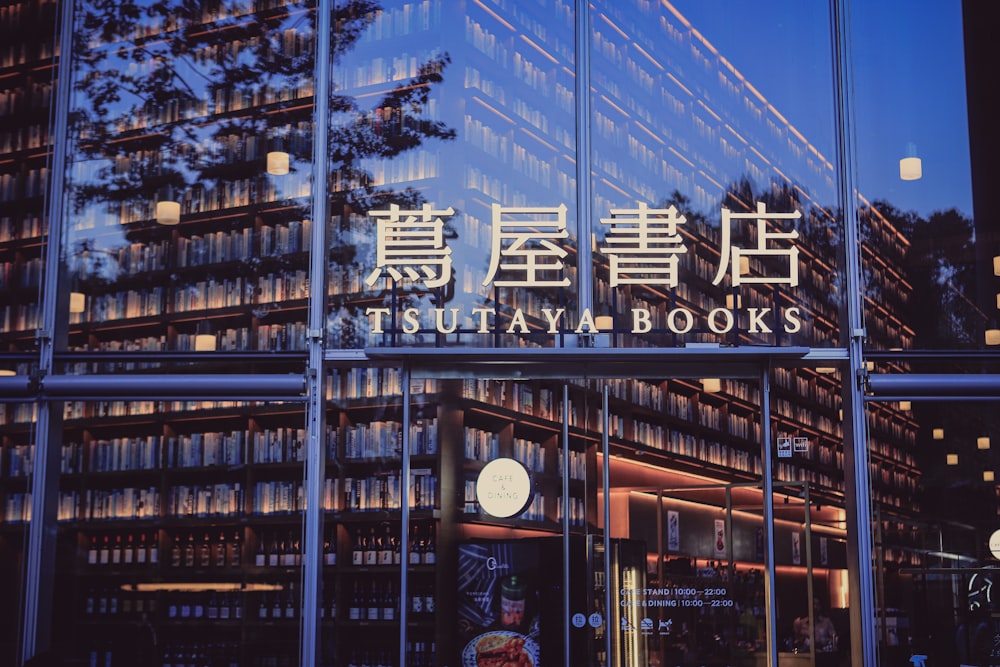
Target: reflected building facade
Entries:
(282, 279)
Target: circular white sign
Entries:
(503, 488)
(995, 544)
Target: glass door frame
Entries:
(743, 363)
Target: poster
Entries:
(498, 603)
(720, 538)
(673, 530)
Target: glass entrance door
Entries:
(620, 521)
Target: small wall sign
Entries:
(503, 488)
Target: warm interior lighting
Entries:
(744, 265)
(199, 587)
(826, 370)
(736, 301)
(711, 385)
(904, 405)
(938, 434)
(869, 366)
(604, 322)
(998, 299)
(952, 459)
(277, 163)
(168, 212)
(993, 336)
(6, 372)
(910, 169)
(77, 302)
(983, 442)
(987, 475)
(996, 265)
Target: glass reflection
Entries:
(713, 180)
(191, 129)
(179, 533)
(935, 565)
(466, 109)
(691, 130)
(926, 272)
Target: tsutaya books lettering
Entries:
(643, 246)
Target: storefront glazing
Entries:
(298, 435)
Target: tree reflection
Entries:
(182, 101)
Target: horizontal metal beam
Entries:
(155, 387)
(939, 386)
(682, 362)
(17, 386)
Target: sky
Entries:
(908, 84)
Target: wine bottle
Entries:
(189, 551)
(358, 553)
(105, 554)
(141, 550)
(273, 555)
(290, 604)
(176, 553)
(429, 554)
(198, 608)
(389, 600)
(276, 607)
(218, 551)
(371, 548)
(92, 553)
(235, 550)
(260, 560)
(329, 553)
(415, 557)
(354, 611)
(287, 553)
(116, 552)
(385, 547)
(205, 552)
(128, 555)
(373, 603)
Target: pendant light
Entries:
(911, 167)
(168, 209)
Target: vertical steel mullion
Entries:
(768, 485)
(39, 564)
(606, 482)
(312, 571)
(404, 529)
(810, 584)
(857, 483)
(565, 527)
(584, 191)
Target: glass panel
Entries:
(460, 114)
(189, 210)
(715, 200)
(17, 454)
(366, 540)
(685, 502)
(27, 31)
(508, 531)
(180, 533)
(935, 512)
(685, 547)
(922, 254)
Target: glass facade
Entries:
(496, 333)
